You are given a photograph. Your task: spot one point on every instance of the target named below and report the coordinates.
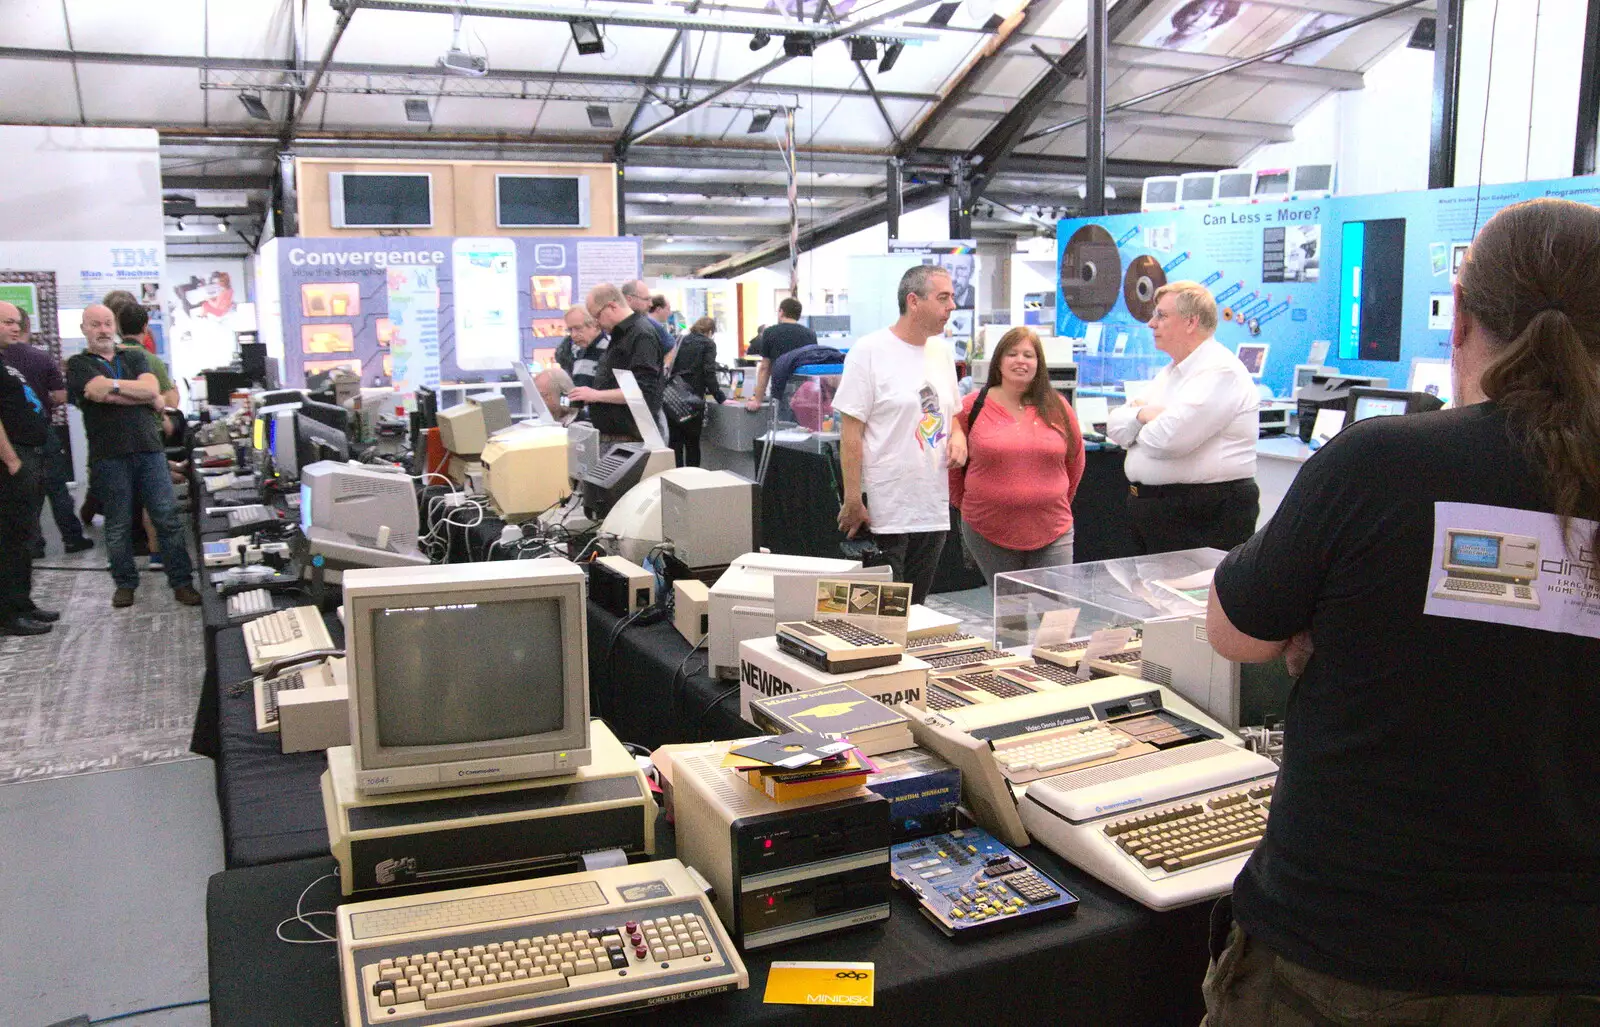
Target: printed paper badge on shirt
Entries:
(1507, 566)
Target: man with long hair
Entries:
(1432, 855)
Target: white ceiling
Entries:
(179, 65)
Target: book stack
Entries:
(800, 764)
(840, 710)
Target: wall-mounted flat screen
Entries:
(1371, 289)
(542, 201)
(379, 199)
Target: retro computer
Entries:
(465, 428)
(359, 515)
(525, 470)
(1490, 567)
(462, 674)
(1160, 193)
(298, 441)
(1368, 402)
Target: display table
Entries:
(1113, 963)
(631, 685)
(270, 801)
(1278, 461)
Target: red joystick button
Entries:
(640, 951)
(632, 927)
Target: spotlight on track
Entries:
(759, 122)
(599, 116)
(890, 55)
(254, 107)
(863, 49)
(759, 40)
(417, 110)
(799, 46)
(586, 36)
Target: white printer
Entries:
(741, 606)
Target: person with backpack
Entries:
(1025, 459)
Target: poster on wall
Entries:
(412, 329)
(960, 258)
(1367, 276)
(204, 303)
(22, 295)
(497, 301)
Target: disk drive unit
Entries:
(782, 870)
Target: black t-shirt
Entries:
(112, 429)
(635, 346)
(21, 409)
(1434, 826)
(783, 337)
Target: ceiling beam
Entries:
(838, 226)
(689, 187)
(575, 78)
(309, 93)
(969, 77)
(1159, 121)
(778, 214)
(225, 182)
(996, 147)
(839, 32)
(1153, 59)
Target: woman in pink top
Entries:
(1025, 459)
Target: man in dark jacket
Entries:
(635, 347)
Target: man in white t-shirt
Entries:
(898, 433)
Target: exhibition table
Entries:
(1112, 963)
(1278, 461)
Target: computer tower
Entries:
(709, 519)
(781, 870)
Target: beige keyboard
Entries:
(1029, 757)
(548, 949)
(285, 633)
(1196, 833)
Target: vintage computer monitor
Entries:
(525, 470)
(1368, 402)
(1175, 652)
(1197, 189)
(1312, 181)
(1235, 185)
(496, 410)
(315, 441)
(462, 429)
(466, 673)
(359, 515)
(583, 449)
(1253, 355)
(1160, 193)
(253, 361)
(280, 434)
(222, 383)
(1432, 375)
(1272, 185)
(1330, 390)
(330, 414)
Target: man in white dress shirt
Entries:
(1191, 440)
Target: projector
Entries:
(459, 62)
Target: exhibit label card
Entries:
(820, 984)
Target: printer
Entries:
(740, 605)
(1330, 390)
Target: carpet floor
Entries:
(107, 689)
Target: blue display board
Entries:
(335, 298)
(1370, 275)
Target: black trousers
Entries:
(914, 558)
(21, 497)
(685, 441)
(1219, 515)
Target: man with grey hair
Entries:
(634, 347)
(579, 353)
(639, 300)
(1191, 440)
(898, 433)
(116, 391)
(553, 384)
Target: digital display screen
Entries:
(1313, 177)
(528, 201)
(1481, 551)
(456, 673)
(1202, 188)
(1371, 289)
(1234, 187)
(1378, 406)
(383, 201)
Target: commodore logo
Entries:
(477, 773)
(1119, 804)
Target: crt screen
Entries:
(468, 672)
(1475, 551)
(1376, 406)
(1161, 192)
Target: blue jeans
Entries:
(117, 479)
